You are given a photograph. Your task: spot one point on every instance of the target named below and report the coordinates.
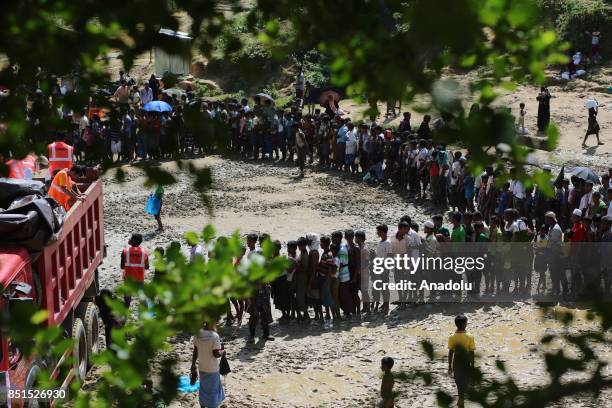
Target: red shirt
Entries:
(434, 169)
(578, 233)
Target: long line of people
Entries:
(331, 276)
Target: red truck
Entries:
(63, 279)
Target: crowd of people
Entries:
(330, 276)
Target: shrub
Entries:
(316, 68)
(207, 90)
(573, 18)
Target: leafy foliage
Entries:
(574, 18)
(181, 297)
(316, 68)
(395, 50)
(389, 49)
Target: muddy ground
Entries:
(309, 366)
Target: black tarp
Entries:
(31, 220)
(12, 189)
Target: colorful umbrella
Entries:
(157, 106)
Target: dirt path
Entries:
(311, 366)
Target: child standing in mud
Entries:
(386, 387)
(461, 348)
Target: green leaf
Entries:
(208, 233)
(468, 61)
(552, 135)
(428, 349)
(491, 11)
(158, 176)
(192, 238)
(522, 13)
(39, 317)
(120, 175)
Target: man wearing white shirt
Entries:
(517, 189)
(586, 197)
(350, 149)
(245, 105)
(414, 245)
(554, 239)
(384, 249)
(146, 94)
(195, 251)
(399, 244)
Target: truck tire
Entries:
(88, 313)
(79, 353)
(31, 382)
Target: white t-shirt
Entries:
(517, 189)
(517, 226)
(83, 123)
(585, 201)
(610, 209)
(456, 172)
(422, 157)
(197, 250)
(207, 341)
(351, 142)
(146, 95)
(414, 242)
(384, 249)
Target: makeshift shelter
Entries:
(179, 63)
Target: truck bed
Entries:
(67, 267)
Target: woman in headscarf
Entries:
(593, 128)
(314, 293)
(543, 99)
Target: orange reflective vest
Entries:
(16, 170)
(61, 179)
(135, 261)
(22, 169)
(60, 156)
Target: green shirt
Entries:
(482, 237)
(159, 192)
(458, 234)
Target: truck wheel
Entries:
(88, 313)
(79, 353)
(31, 382)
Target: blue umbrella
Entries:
(157, 106)
(585, 174)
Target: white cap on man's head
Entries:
(577, 212)
(428, 224)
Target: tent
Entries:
(180, 63)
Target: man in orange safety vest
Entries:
(134, 262)
(23, 169)
(63, 190)
(60, 155)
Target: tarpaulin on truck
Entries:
(30, 220)
(12, 189)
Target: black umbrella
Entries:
(586, 174)
(561, 176)
(263, 96)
